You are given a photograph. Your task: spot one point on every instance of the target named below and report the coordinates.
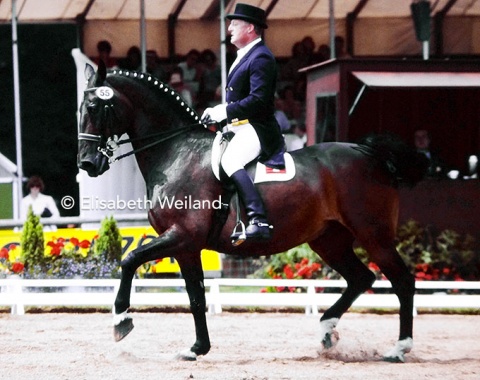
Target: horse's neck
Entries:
(183, 153)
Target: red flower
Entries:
(420, 276)
(56, 248)
(4, 253)
(74, 241)
(12, 247)
(288, 271)
(305, 271)
(84, 244)
(17, 267)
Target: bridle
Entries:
(107, 146)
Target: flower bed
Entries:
(446, 256)
(63, 258)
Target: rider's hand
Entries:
(215, 114)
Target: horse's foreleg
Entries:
(192, 272)
(162, 246)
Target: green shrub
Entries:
(109, 242)
(32, 241)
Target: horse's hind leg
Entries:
(335, 248)
(403, 284)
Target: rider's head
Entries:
(247, 24)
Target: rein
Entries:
(112, 144)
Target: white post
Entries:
(332, 29)
(426, 49)
(143, 36)
(312, 307)
(223, 49)
(15, 289)
(215, 306)
(18, 122)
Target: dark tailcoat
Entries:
(251, 95)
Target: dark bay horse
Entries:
(341, 193)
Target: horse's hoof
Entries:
(330, 340)
(186, 355)
(397, 353)
(330, 336)
(121, 330)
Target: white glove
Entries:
(215, 114)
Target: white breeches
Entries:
(244, 147)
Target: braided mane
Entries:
(162, 89)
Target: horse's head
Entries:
(104, 115)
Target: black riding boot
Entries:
(258, 227)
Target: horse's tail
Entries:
(404, 164)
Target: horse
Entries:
(341, 193)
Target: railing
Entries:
(18, 293)
(64, 220)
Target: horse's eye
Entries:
(91, 107)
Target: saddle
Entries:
(259, 172)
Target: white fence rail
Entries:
(19, 293)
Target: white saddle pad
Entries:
(262, 173)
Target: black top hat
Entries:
(250, 14)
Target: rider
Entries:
(249, 112)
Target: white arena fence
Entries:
(18, 293)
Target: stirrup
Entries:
(238, 237)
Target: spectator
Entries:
(280, 115)
(309, 46)
(297, 60)
(437, 167)
(133, 60)
(177, 83)
(323, 53)
(210, 79)
(154, 67)
(340, 48)
(297, 139)
(190, 71)
(292, 107)
(42, 205)
(104, 49)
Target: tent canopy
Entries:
(195, 23)
(68, 10)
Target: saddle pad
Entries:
(266, 174)
(262, 172)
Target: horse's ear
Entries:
(101, 72)
(89, 72)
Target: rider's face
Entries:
(240, 32)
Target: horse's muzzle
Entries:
(94, 166)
